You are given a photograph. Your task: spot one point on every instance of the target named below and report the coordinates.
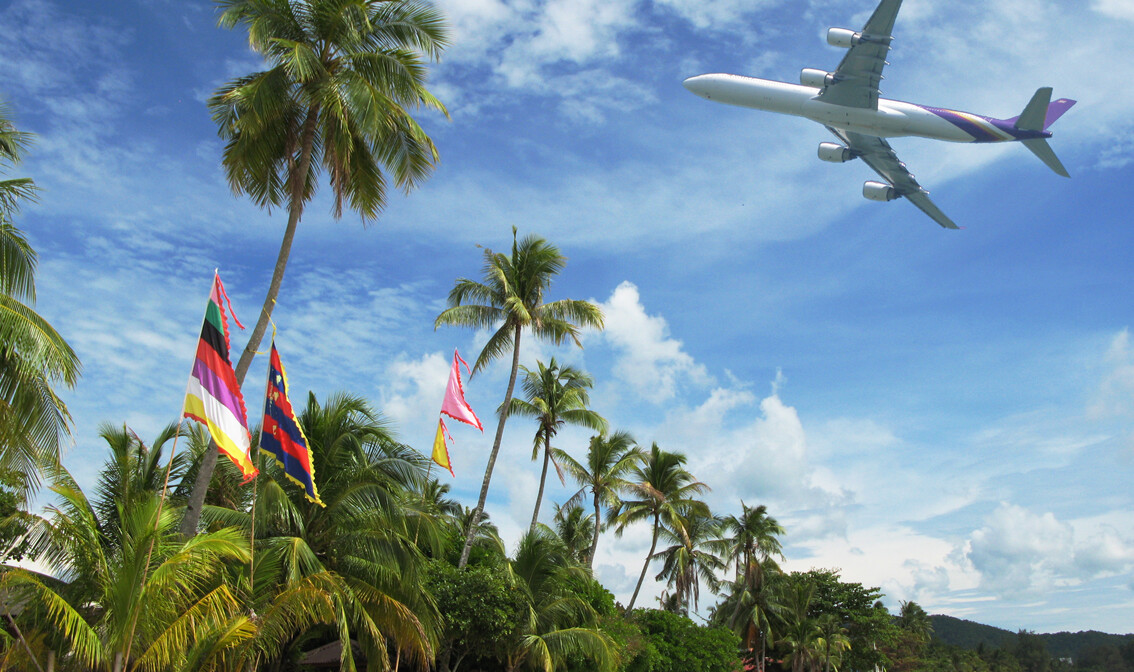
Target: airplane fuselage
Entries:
(892, 119)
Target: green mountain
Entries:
(970, 635)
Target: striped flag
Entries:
(213, 397)
(282, 437)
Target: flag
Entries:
(441, 448)
(213, 397)
(281, 436)
(454, 406)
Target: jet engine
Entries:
(877, 191)
(841, 37)
(816, 78)
(834, 152)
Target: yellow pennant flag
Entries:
(441, 448)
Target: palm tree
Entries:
(554, 621)
(131, 593)
(751, 611)
(913, 619)
(511, 298)
(693, 557)
(33, 356)
(355, 558)
(555, 395)
(752, 544)
(13, 144)
(341, 76)
(610, 458)
(665, 492)
(801, 633)
(575, 528)
(753, 541)
(832, 642)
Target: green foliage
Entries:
(34, 358)
(477, 606)
(673, 643)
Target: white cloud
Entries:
(1019, 552)
(723, 15)
(651, 362)
(1118, 9)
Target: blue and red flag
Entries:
(281, 436)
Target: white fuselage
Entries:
(893, 118)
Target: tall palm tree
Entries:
(341, 76)
(610, 459)
(752, 541)
(355, 556)
(511, 298)
(753, 545)
(694, 556)
(801, 632)
(664, 491)
(555, 395)
(33, 356)
(575, 528)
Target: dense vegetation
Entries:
(167, 562)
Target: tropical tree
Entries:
(610, 459)
(575, 528)
(130, 593)
(752, 611)
(752, 545)
(555, 395)
(510, 298)
(663, 492)
(800, 630)
(832, 642)
(553, 621)
(341, 76)
(34, 358)
(913, 619)
(694, 556)
(354, 559)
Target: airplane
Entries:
(847, 102)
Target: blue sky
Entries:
(947, 415)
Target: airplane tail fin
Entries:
(1041, 112)
(1037, 116)
(1043, 150)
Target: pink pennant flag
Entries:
(455, 405)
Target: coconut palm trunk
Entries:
(295, 212)
(542, 482)
(598, 526)
(646, 565)
(495, 450)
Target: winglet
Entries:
(1043, 150)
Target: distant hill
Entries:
(970, 635)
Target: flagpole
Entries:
(165, 484)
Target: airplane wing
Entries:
(860, 72)
(878, 154)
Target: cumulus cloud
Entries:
(649, 360)
(1019, 552)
